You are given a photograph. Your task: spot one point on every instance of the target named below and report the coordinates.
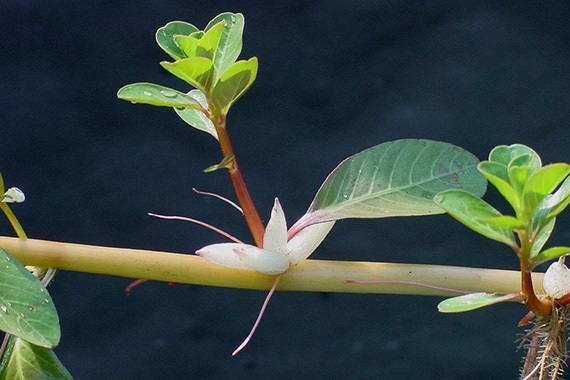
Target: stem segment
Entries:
(310, 275)
(250, 212)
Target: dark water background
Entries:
(335, 77)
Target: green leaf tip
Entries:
(474, 301)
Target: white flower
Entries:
(277, 253)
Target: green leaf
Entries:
(542, 182)
(30, 362)
(26, 308)
(542, 237)
(473, 212)
(550, 254)
(197, 118)
(520, 168)
(2, 190)
(165, 37)
(157, 95)
(226, 163)
(230, 42)
(398, 178)
(233, 83)
(201, 44)
(498, 175)
(197, 71)
(474, 301)
(505, 221)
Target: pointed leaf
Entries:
(233, 83)
(230, 42)
(226, 163)
(505, 221)
(157, 95)
(165, 37)
(398, 178)
(542, 182)
(26, 309)
(472, 212)
(498, 175)
(550, 254)
(474, 301)
(195, 117)
(197, 71)
(27, 361)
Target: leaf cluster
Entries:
(206, 60)
(537, 194)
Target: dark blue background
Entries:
(334, 78)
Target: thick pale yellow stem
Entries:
(310, 275)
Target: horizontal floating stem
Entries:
(310, 275)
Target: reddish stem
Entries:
(250, 212)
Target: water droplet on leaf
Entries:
(147, 93)
(168, 93)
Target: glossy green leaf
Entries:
(505, 221)
(156, 95)
(497, 174)
(397, 178)
(472, 212)
(474, 301)
(165, 37)
(29, 362)
(230, 42)
(542, 182)
(550, 254)
(233, 83)
(542, 237)
(197, 118)
(197, 71)
(26, 308)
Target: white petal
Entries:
(275, 237)
(222, 254)
(556, 280)
(306, 241)
(262, 260)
